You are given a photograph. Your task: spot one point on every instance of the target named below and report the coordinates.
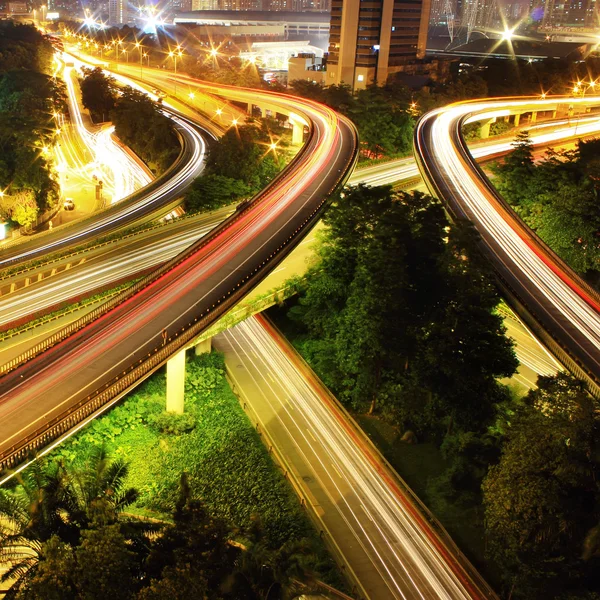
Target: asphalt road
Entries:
(144, 204)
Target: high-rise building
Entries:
(571, 14)
(370, 39)
(117, 12)
(179, 6)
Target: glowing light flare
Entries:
(507, 35)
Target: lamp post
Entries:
(175, 55)
(124, 51)
(585, 88)
(140, 48)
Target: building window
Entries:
(361, 78)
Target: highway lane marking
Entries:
(338, 472)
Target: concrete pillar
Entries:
(203, 347)
(297, 134)
(517, 119)
(534, 117)
(176, 382)
(554, 114)
(485, 129)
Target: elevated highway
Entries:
(550, 297)
(95, 361)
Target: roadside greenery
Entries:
(397, 318)
(64, 536)
(29, 97)
(559, 198)
(542, 499)
(239, 164)
(137, 120)
(397, 314)
(383, 115)
(227, 466)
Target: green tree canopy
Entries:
(541, 500)
(98, 93)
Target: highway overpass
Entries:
(550, 297)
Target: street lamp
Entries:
(126, 52)
(507, 35)
(175, 55)
(140, 48)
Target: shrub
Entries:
(173, 423)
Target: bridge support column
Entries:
(534, 117)
(203, 347)
(554, 114)
(485, 129)
(176, 382)
(297, 134)
(252, 107)
(517, 119)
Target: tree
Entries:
(51, 500)
(97, 93)
(541, 500)
(104, 565)
(514, 175)
(194, 546)
(53, 579)
(140, 125)
(209, 192)
(25, 210)
(399, 320)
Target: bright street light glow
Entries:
(507, 35)
(219, 111)
(191, 95)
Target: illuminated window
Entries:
(361, 77)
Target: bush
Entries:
(173, 423)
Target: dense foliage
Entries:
(55, 554)
(98, 93)
(383, 115)
(399, 315)
(239, 164)
(139, 125)
(227, 465)
(137, 119)
(542, 501)
(29, 97)
(559, 198)
(64, 534)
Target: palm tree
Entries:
(53, 500)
